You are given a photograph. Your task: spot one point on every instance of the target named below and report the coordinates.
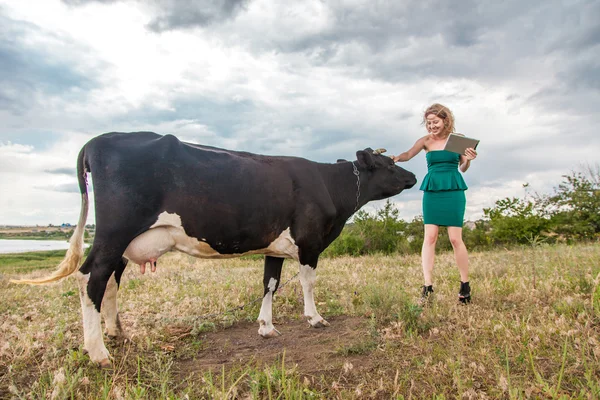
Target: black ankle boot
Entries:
(464, 295)
(427, 290)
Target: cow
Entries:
(155, 194)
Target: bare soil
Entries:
(313, 352)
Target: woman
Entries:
(443, 194)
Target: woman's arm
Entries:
(465, 160)
(413, 151)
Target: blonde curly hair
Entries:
(442, 112)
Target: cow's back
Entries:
(237, 201)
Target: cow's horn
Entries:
(379, 151)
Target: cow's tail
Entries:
(74, 254)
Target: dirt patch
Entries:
(344, 345)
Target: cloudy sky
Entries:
(310, 78)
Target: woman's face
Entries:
(434, 124)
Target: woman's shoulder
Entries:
(426, 141)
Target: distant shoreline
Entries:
(15, 246)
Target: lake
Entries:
(24, 246)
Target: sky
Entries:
(313, 79)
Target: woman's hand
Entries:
(470, 154)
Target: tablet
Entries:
(457, 143)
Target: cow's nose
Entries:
(411, 182)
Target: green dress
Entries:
(443, 190)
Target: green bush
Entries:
(571, 214)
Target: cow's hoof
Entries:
(273, 333)
(319, 324)
(267, 330)
(105, 364)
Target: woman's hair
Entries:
(442, 112)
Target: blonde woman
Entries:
(443, 194)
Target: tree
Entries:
(513, 220)
(576, 205)
(381, 232)
(478, 237)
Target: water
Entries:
(24, 246)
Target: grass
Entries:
(20, 263)
(532, 331)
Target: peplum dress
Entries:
(443, 189)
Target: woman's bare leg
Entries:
(428, 252)
(460, 252)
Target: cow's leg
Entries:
(93, 277)
(92, 329)
(308, 279)
(109, 308)
(271, 280)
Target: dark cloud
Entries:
(411, 40)
(30, 73)
(222, 117)
(403, 41)
(577, 96)
(583, 75)
(397, 25)
(404, 115)
(573, 28)
(184, 14)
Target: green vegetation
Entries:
(570, 215)
(20, 263)
(31, 235)
(531, 332)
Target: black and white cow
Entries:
(154, 194)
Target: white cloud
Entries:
(312, 79)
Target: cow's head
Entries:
(380, 178)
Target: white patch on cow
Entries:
(272, 284)
(109, 308)
(265, 318)
(92, 327)
(308, 279)
(167, 219)
(283, 246)
(168, 234)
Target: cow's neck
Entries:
(346, 185)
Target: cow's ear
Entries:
(365, 157)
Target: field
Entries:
(532, 331)
(35, 233)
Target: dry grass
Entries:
(532, 331)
